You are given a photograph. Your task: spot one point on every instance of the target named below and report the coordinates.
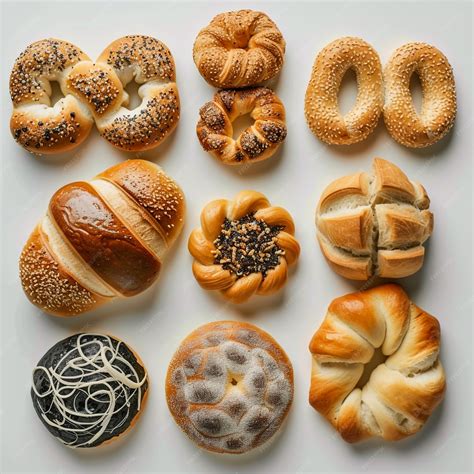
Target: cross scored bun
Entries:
(102, 239)
(402, 392)
(374, 224)
(93, 93)
(243, 247)
(229, 386)
(238, 49)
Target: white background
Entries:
(155, 322)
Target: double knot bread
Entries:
(402, 391)
(374, 224)
(243, 247)
(257, 142)
(102, 239)
(229, 386)
(93, 93)
(238, 49)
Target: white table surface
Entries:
(155, 322)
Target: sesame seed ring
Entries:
(244, 247)
(321, 102)
(93, 92)
(439, 95)
(259, 141)
(239, 49)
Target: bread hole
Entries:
(416, 92)
(378, 358)
(134, 100)
(347, 95)
(240, 124)
(56, 93)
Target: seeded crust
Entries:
(239, 49)
(206, 357)
(439, 95)
(321, 101)
(259, 141)
(229, 231)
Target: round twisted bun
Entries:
(89, 389)
(374, 224)
(321, 101)
(402, 391)
(239, 49)
(94, 92)
(102, 239)
(229, 386)
(259, 141)
(439, 95)
(244, 247)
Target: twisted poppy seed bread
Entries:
(93, 93)
(102, 239)
(374, 224)
(229, 386)
(256, 143)
(239, 49)
(89, 389)
(244, 247)
(395, 399)
(321, 100)
(438, 110)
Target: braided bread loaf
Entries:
(239, 49)
(102, 239)
(259, 141)
(402, 391)
(94, 92)
(374, 224)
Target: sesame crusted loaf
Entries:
(102, 239)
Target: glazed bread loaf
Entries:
(374, 224)
(102, 239)
(93, 93)
(394, 399)
(238, 49)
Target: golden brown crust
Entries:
(321, 101)
(374, 224)
(357, 324)
(210, 270)
(229, 386)
(439, 95)
(239, 49)
(259, 141)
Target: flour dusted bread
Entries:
(102, 239)
(374, 224)
(402, 390)
(229, 386)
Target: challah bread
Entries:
(259, 141)
(374, 224)
(239, 49)
(93, 92)
(244, 247)
(321, 100)
(402, 391)
(102, 239)
(438, 109)
(229, 386)
(89, 390)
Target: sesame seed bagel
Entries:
(94, 92)
(439, 95)
(102, 239)
(259, 141)
(321, 101)
(239, 49)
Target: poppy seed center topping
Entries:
(247, 245)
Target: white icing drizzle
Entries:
(76, 376)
